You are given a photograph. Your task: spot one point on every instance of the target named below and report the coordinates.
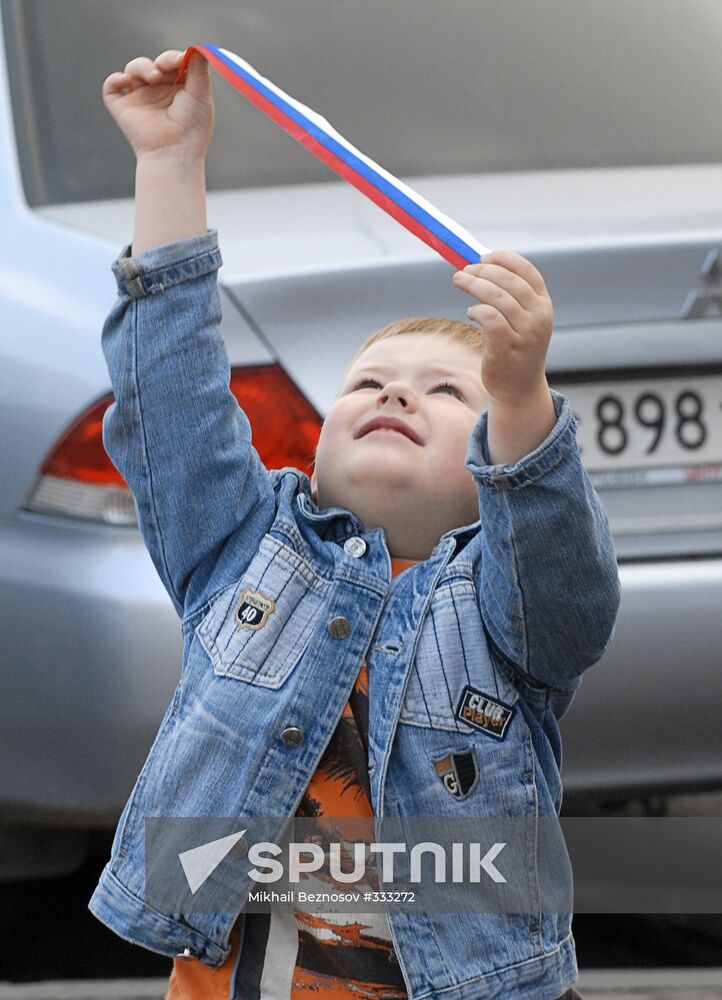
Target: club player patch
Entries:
(483, 712)
(458, 772)
(254, 609)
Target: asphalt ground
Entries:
(619, 984)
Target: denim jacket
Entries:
(518, 604)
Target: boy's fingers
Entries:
(500, 299)
(483, 281)
(494, 324)
(198, 76)
(169, 61)
(115, 84)
(142, 68)
(128, 85)
(519, 265)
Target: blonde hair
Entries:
(463, 333)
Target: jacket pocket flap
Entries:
(257, 629)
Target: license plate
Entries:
(649, 432)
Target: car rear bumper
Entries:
(93, 651)
(646, 717)
(92, 654)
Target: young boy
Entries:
(396, 637)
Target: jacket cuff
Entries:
(560, 439)
(163, 266)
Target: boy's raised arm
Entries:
(175, 431)
(169, 128)
(548, 587)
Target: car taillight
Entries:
(77, 479)
(285, 425)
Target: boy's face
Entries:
(412, 484)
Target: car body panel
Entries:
(92, 644)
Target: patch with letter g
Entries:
(253, 609)
(483, 712)
(458, 772)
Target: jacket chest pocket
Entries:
(257, 629)
(453, 677)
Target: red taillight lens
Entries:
(78, 479)
(284, 424)
(79, 454)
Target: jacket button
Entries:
(355, 546)
(186, 953)
(339, 627)
(292, 737)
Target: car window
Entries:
(421, 86)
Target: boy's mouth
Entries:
(389, 423)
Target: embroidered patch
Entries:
(458, 772)
(483, 712)
(254, 609)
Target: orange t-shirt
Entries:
(330, 957)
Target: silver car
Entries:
(580, 135)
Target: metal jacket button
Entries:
(186, 953)
(292, 737)
(355, 546)
(339, 627)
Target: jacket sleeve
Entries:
(175, 431)
(548, 584)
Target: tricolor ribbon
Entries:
(420, 217)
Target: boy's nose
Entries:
(396, 391)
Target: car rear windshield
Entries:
(423, 86)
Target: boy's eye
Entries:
(447, 385)
(442, 385)
(366, 381)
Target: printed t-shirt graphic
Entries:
(334, 956)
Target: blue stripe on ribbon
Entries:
(360, 166)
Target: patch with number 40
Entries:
(254, 609)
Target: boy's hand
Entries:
(515, 313)
(157, 116)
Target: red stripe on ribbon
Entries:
(325, 155)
